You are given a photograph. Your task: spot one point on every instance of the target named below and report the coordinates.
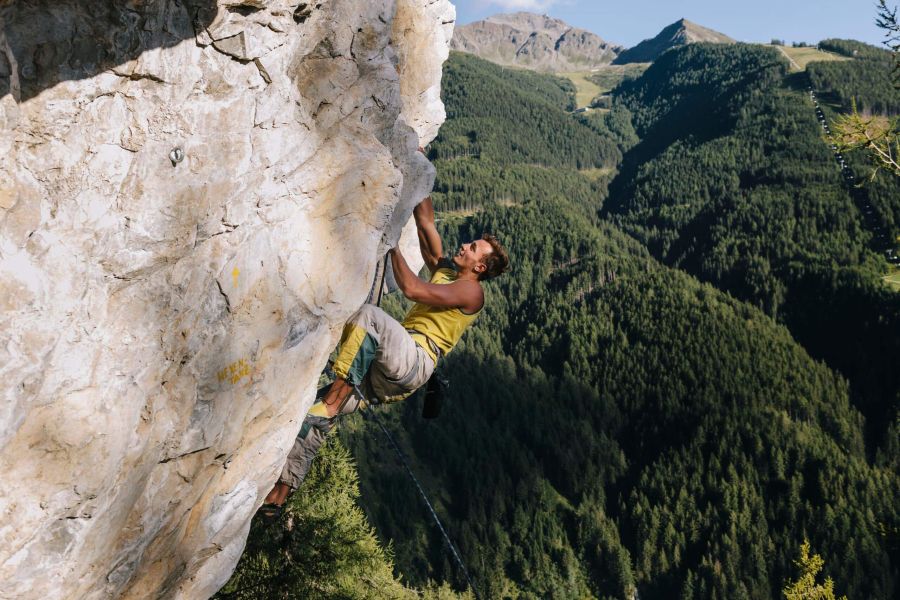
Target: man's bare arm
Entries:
(465, 295)
(430, 261)
(429, 238)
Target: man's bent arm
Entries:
(466, 295)
(429, 238)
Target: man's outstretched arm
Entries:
(466, 295)
(429, 238)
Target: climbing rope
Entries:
(376, 294)
(373, 415)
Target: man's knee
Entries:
(366, 314)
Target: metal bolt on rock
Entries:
(176, 156)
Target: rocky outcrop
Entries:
(537, 42)
(679, 33)
(193, 198)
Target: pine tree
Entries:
(324, 547)
(806, 588)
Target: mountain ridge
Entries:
(680, 33)
(545, 43)
(537, 42)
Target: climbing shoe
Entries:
(322, 424)
(270, 512)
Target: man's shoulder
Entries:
(444, 271)
(444, 263)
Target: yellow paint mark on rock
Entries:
(7, 198)
(234, 276)
(235, 372)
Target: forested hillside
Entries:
(518, 127)
(615, 425)
(733, 183)
(324, 548)
(862, 80)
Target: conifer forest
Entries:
(692, 368)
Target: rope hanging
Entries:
(376, 292)
(372, 414)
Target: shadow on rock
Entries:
(45, 42)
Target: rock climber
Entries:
(389, 360)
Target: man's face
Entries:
(470, 256)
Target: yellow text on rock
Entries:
(235, 371)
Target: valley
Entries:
(671, 348)
(691, 367)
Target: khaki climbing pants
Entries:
(379, 357)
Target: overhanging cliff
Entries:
(193, 198)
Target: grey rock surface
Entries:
(537, 42)
(193, 198)
(679, 33)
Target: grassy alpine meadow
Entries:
(585, 89)
(610, 76)
(598, 174)
(802, 56)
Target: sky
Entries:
(627, 22)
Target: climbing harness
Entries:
(437, 385)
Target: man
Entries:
(389, 360)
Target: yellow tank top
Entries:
(443, 326)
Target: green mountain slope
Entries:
(640, 410)
(733, 183)
(864, 80)
(509, 136)
(486, 104)
(614, 425)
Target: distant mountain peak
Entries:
(533, 41)
(679, 33)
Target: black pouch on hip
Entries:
(434, 395)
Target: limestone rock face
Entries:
(194, 195)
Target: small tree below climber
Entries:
(389, 360)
